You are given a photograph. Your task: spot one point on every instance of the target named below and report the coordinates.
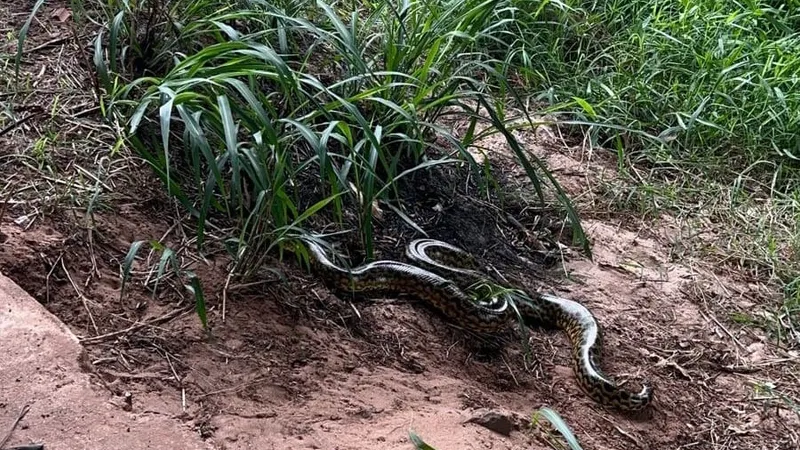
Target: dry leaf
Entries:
(62, 14)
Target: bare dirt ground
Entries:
(288, 365)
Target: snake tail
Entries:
(575, 319)
(585, 336)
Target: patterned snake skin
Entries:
(447, 267)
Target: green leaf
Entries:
(586, 107)
(127, 264)
(196, 288)
(419, 444)
(23, 33)
(555, 419)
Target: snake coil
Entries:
(445, 267)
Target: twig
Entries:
(50, 275)
(624, 433)
(31, 91)
(135, 376)
(85, 112)
(510, 371)
(225, 296)
(50, 43)
(19, 418)
(711, 316)
(170, 315)
(19, 122)
(238, 287)
(172, 368)
(80, 294)
(95, 271)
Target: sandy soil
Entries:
(289, 365)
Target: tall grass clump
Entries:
(252, 111)
(704, 95)
(260, 113)
(671, 83)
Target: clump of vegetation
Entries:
(253, 112)
(259, 114)
(714, 80)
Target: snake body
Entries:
(447, 266)
(578, 322)
(391, 277)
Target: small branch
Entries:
(170, 315)
(19, 122)
(50, 43)
(80, 294)
(19, 418)
(225, 295)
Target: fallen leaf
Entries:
(62, 14)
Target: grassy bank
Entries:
(716, 81)
(258, 114)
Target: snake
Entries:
(385, 277)
(445, 269)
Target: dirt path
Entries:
(54, 402)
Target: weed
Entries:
(250, 134)
(168, 260)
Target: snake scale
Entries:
(444, 267)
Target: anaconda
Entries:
(445, 267)
(392, 277)
(575, 319)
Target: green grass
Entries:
(258, 116)
(286, 105)
(700, 101)
(715, 80)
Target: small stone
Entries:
(499, 422)
(23, 220)
(128, 405)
